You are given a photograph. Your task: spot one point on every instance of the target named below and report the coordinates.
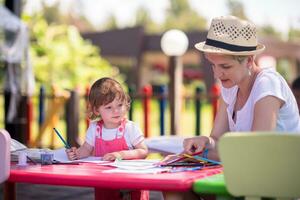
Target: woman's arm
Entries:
(140, 151)
(196, 144)
(266, 113)
(220, 127)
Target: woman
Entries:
(252, 98)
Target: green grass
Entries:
(187, 121)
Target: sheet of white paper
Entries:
(61, 156)
(137, 164)
(165, 144)
(92, 159)
(138, 171)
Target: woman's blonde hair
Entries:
(103, 92)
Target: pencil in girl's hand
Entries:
(62, 139)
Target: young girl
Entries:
(110, 136)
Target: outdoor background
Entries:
(62, 59)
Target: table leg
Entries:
(9, 191)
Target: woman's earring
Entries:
(249, 72)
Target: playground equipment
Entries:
(55, 106)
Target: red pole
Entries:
(215, 93)
(147, 93)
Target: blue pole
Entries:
(162, 107)
(41, 106)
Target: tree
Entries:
(236, 8)
(61, 56)
(268, 30)
(181, 16)
(143, 18)
(111, 23)
(73, 16)
(294, 35)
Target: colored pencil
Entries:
(62, 139)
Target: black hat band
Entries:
(229, 47)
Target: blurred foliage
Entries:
(268, 30)
(181, 16)
(74, 16)
(236, 8)
(294, 35)
(62, 57)
(144, 19)
(111, 23)
(284, 68)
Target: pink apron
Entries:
(103, 147)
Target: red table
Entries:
(91, 175)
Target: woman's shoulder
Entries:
(269, 77)
(270, 82)
(269, 73)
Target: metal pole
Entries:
(198, 110)
(175, 84)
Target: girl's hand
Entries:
(71, 153)
(195, 144)
(112, 156)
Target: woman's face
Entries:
(227, 69)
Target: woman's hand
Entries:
(71, 153)
(112, 156)
(195, 144)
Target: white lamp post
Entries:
(174, 43)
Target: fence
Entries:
(69, 104)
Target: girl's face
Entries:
(112, 113)
(228, 70)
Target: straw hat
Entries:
(231, 35)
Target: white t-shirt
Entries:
(267, 83)
(133, 135)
